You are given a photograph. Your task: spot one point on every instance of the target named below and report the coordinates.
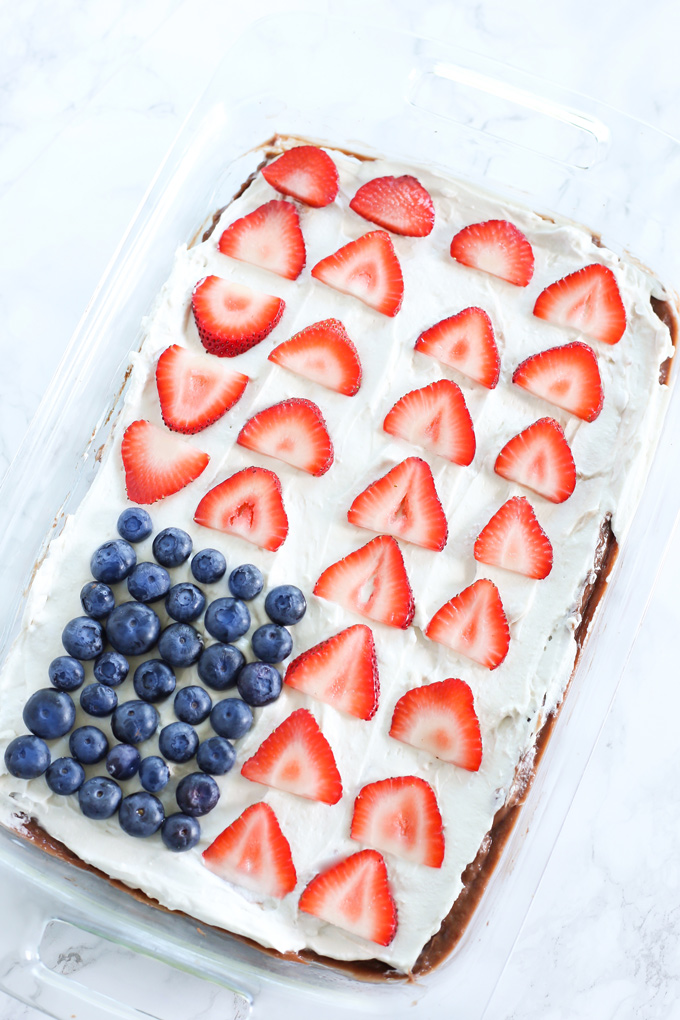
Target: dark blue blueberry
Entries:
(99, 797)
(111, 668)
(192, 705)
(219, 665)
(178, 742)
(98, 699)
(88, 744)
(27, 757)
(180, 645)
(172, 546)
(148, 582)
(227, 619)
(285, 604)
(113, 561)
(134, 721)
(153, 680)
(272, 643)
(135, 524)
(141, 814)
(49, 713)
(180, 832)
(246, 581)
(122, 761)
(208, 566)
(215, 756)
(259, 683)
(133, 628)
(185, 602)
(197, 794)
(231, 718)
(97, 599)
(65, 776)
(154, 774)
(83, 638)
(66, 673)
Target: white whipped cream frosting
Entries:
(612, 455)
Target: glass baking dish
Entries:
(381, 93)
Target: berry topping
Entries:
(367, 269)
(246, 582)
(195, 390)
(293, 431)
(153, 680)
(219, 665)
(208, 566)
(227, 619)
(49, 713)
(135, 524)
(259, 684)
(148, 582)
(306, 173)
(513, 539)
(83, 638)
(231, 318)
(588, 300)
(64, 776)
(180, 645)
(178, 742)
(324, 353)
(271, 643)
(192, 704)
(184, 602)
(133, 628)
(99, 797)
(98, 700)
(122, 761)
(215, 756)
(88, 744)
(254, 853)
(27, 757)
(133, 722)
(440, 718)
(341, 671)
(180, 832)
(231, 718)
(285, 604)
(269, 237)
(141, 814)
(399, 204)
(436, 419)
(466, 342)
(172, 547)
(66, 673)
(247, 504)
(97, 599)
(473, 624)
(156, 463)
(496, 247)
(400, 816)
(539, 458)
(197, 794)
(566, 376)
(154, 774)
(111, 668)
(113, 561)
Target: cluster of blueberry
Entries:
(133, 629)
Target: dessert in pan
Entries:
(289, 666)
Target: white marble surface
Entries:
(91, 96)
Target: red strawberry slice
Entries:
(440, 718)
(566, 376)
(269, 237)
(437, 419)
(496, 247)
(157, 463)
(297, 758)
(341, 671)
(371, 581)
(354, 895)
(249, 505)
(368, 269)
(513, 539)
(466, 342)
(540, 458)
(293, 431)
(324, 353)
(400, 816)
(399, 204)
(254, 853)
(195, 389)
(230, 317)
(403, 503)
(306, 173)
(588, 300)
(473, 624)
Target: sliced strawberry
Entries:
(540, 458)
(297, 758)
(247, 504)
(435, 418)
(400, 816)
(466, 342)
(157, 463)
(324, 353)
(513, 539)
(496, 247)
(368, 269)
(230, 317)
(371, 581)
(254, 853)
(269, 237)
(195, 389)
(306, 173)
(473, 624)
(399, 204)
(588, 300)
(403, 503)
(354, 895)
(293, 431)
(566, 376)
(341, 671)
(440, 718)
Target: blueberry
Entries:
(134, 721)
(208, 566)
(122, 761)
(27, 757)
(83, 638)
(219, 665)
(88, 744)
(135, 524)
(66, 673)
(154, 774)
(99, 797)
(172, 546)
(227, 619)
(185, 602)
(148, 582)
(180, 645)
(49, 713)
(246, 581)
(272, 643)
(285, 604)
(180, 832)
(153, 680)
(231, 718)
(65, 776)
(141, 814)
(113, 561)
(98, 700)
(133, 628)
(111, 668)
(178, 742)
(259, 683)
(97, 599)
(215, 756)
(197, 794)
(192, 705)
